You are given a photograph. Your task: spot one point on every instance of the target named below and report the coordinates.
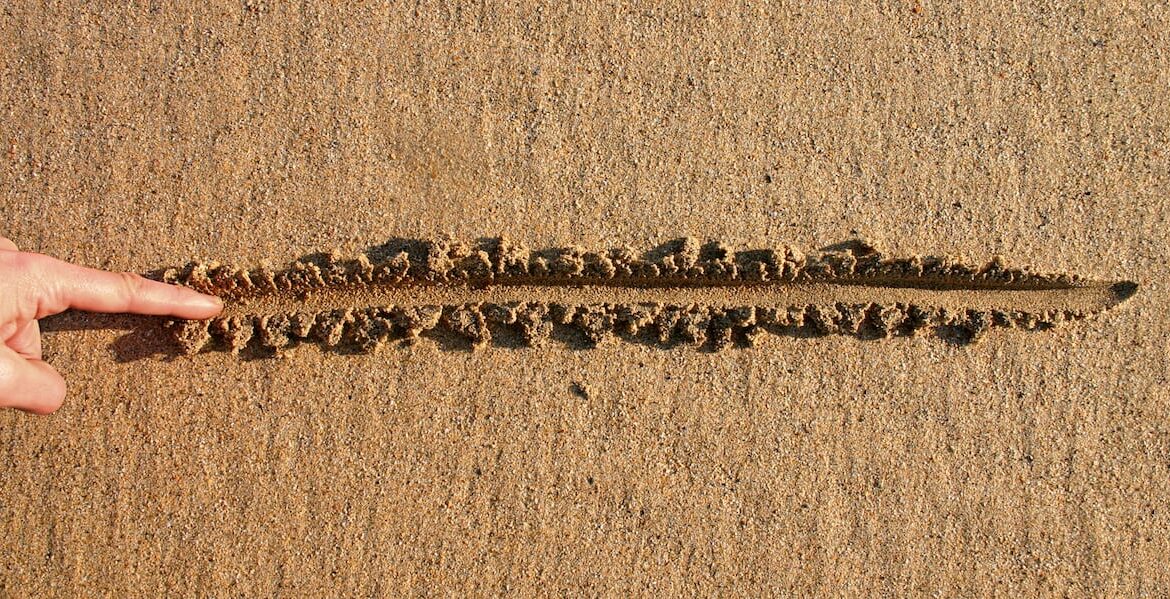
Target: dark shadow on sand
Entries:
(145, 336)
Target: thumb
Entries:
(29, 385)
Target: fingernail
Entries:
(207, 301)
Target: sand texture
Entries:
(660, 299)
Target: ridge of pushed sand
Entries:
(683, 292)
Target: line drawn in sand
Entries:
(493, 291)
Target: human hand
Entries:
(33, 286)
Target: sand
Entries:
(709, 296)
(145, 137)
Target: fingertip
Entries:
(29, 385)
(7, 244)
(153, 297)
(51, 394)
(199, 306)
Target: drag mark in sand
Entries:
(681, 293)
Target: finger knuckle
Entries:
(131, 283)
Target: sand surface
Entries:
(144, 136)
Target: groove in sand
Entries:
(684, 292)
(1084, 298)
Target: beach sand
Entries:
(146, 136)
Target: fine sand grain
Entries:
(384, 432)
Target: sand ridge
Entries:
(681, 293)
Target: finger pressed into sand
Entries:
(101, 291)
(29, 385)
(7, 245)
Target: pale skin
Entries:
(33, 286)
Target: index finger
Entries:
(73, 286)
